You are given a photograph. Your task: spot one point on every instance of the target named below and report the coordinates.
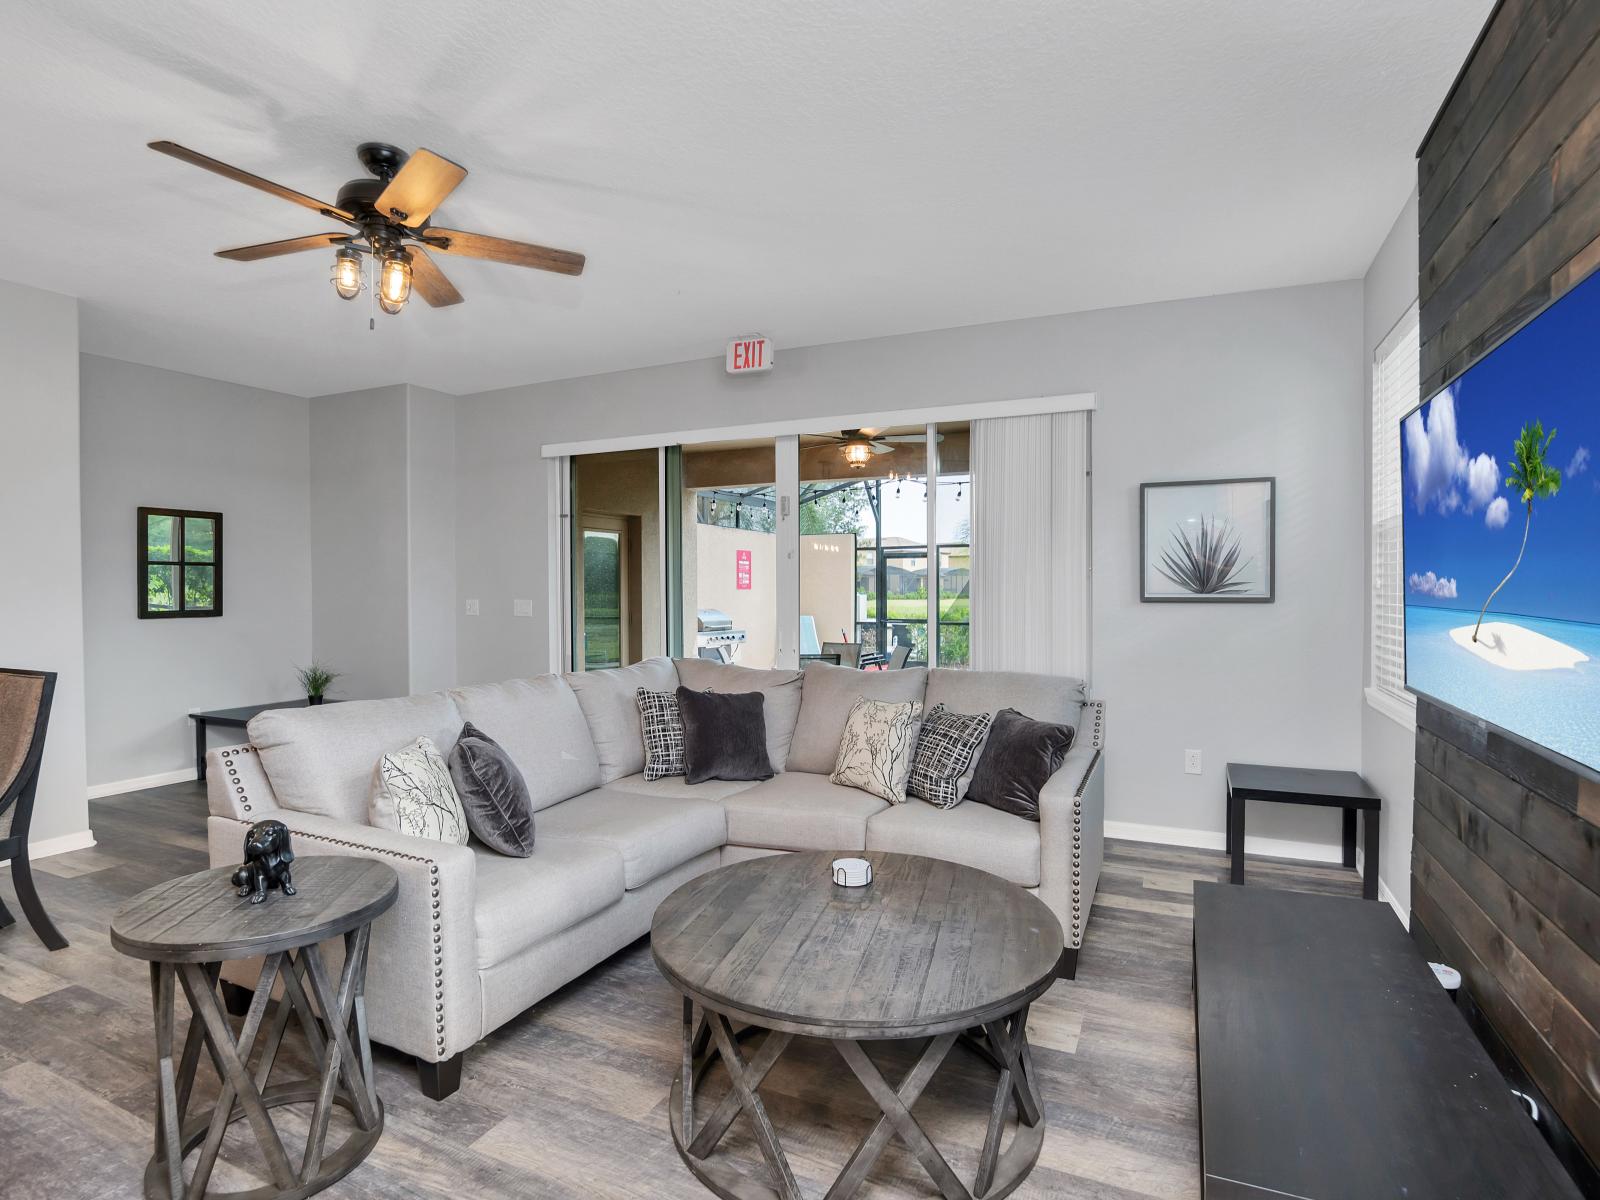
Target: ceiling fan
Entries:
(390, 223)
(861, 444)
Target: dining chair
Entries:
(25, 698)
(849, 652)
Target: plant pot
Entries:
(313, 699)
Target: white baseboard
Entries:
(117, 786)
(1388, 898)
(1211, 839)
(65, 844)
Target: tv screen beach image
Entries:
(1502, 534)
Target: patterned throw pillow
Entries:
(875, 751)
(412, 794)
(661, 721)
(941, 771)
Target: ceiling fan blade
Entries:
(419, 187)
(184, 154)
(429, 282)
(316, 241)
(517, 254)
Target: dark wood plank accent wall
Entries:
(1505, 863)
(1505, 867)
(1508, 183)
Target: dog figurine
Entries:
(266, 861)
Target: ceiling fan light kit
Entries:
(390, 216)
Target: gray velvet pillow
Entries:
(1018, 760)
(724, 736)
(493, 792)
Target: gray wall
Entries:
(1387, 753)
(431, 503)
(1257, 383)
(360, 575)
(41, 604)
(155, 437)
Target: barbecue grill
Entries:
(716, 636)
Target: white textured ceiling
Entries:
(818, 171)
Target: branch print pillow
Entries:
(876, 751)
(412, 793)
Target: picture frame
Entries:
(1208, 541)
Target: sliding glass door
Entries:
(850, 546)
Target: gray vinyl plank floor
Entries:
(570, 1099)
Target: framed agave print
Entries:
(1207, 541)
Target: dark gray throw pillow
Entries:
(1017, 761)
(493, 793)
(724, 735)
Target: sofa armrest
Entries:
(422, 973)
(1072, 808)
(236, 785)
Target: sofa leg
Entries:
(236, 998)
(440, 1079)
(1067, 968)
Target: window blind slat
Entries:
(1395, 382)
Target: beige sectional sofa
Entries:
(476, 937)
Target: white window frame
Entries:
(1396, 369)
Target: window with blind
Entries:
(1395, 380)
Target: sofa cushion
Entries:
(801, 811)
(724, 736)
(974, 835)
(652, 833)
(539, 724)
(825, 702)
(493, 793)
(321, 760)
(782, 689)
(675, 786)
(1018, 760)
(609, 700)
(875, 751)
(413, 794)
(521, 901)
(1054, 698)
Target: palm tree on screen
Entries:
(1535, 479)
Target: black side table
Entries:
(1301, 785)
(186, 929)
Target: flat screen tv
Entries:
(1502, 533)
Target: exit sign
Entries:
(749, 354)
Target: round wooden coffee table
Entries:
(774, 949)
(186, 929)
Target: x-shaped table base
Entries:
(709, 1038)
(334, 1021)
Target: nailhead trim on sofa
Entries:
(438, 951)
(233, 774)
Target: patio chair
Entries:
(897, 657)
(849, 652)
(25, 698)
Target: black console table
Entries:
(1300, 785)
(236, 718)
(1333, 1067)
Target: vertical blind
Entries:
(1395, 380)
(1030, 544)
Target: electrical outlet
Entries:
(1191, 762)
(472, 608)
(522, 608)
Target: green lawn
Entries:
(915, 608)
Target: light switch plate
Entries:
(1191, 762)
(522, 608)
(472, 608)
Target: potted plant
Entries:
(315, 679)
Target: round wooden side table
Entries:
(774, 949)
(186, 929)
